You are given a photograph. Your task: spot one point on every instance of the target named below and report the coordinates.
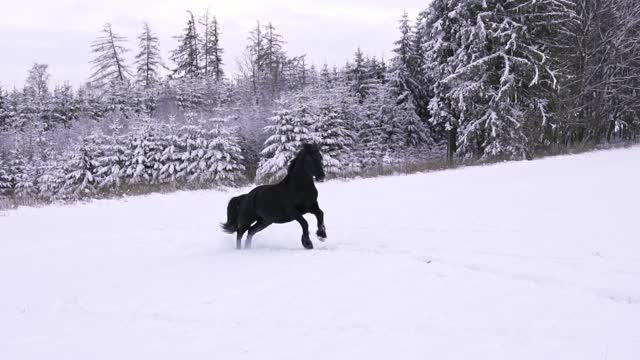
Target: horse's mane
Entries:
(306, 148)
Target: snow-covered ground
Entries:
(527, 260)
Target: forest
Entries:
(470, 81)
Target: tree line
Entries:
(469, 80)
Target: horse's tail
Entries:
(233, 211)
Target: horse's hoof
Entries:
(322, 235)
(306, 242)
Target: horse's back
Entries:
(272, 203)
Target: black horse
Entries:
(280, 203)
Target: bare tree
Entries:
(38, 80)
(109, 64)
(148, 60)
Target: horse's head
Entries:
(312, 161)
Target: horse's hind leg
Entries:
(241, 230)
(255, 228)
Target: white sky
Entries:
(60, 32)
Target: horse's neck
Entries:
(299, 179)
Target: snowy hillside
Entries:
(527, 260)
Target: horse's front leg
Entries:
(322, 232)
(306, 241)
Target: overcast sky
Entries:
(60, 32)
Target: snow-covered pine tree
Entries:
(376, 130)
(401, 62)
(325, 78)
(210, 47)
(442, 36)
(146, 146)
(5, 179)
(225, 154)
(111, 162)
(146, 99)
(495, 86)
(186, 56)
(148, 60)
(119, 99)
(418, 85)
(80, 172)
(34, 105)
(192, 168)
(171, 157)
(65, 108)
(51, 177)
(376, 70)
(334, 137)
(47, 166)
(30, 111)
(415, 132)
(289, 130)
(400, 78)
(13, 120)
(189, 94)
(109, 64)
(91, 102)
(357, 74)
(21, 174)
(136, 171)
(4, 111)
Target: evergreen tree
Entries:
(415, 132)
(325, 77)
(357, 74)
(148, 60)
(419, 83)
(13, 104)
(21, 174)
(401, 63)
(442, 37)
(51, 177)
(80, 172)
(225, 154)
(4, 111)
(109, 63)
(403, 49)
(5, 179)
(187, 55)
(506, 80)
(91, 103)
(65, 108)
(119, 99)
(274, 59)
(335, 138)
(145, 149)
(290, 129)
(111, 163)
(255, 58)
(34, 107)
(210, 47)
